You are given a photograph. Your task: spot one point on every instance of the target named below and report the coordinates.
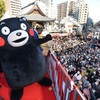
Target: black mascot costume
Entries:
(20, 58)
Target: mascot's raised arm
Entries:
(21, 60)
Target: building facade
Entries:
(81, 12)
(62, 10)
(76, 9)
(51, 8)
(13, 7)
(71, 8)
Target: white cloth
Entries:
(78, 76)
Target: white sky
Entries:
(94, 7)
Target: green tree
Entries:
(2, 8)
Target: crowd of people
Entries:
(81, 59)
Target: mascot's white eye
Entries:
(23, 26)
(5, 30)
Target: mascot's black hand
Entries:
(48, 37)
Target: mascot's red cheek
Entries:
(2, 42)
(31, 32)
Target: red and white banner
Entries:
(63, 86)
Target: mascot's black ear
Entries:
(23, 18)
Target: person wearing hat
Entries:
(86, 84)
(87, 91)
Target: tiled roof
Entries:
(33, 12)
(36, 17)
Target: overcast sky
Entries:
(94, 7)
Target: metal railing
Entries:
(64, 87)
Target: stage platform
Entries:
(31, 92)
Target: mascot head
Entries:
(15, 32)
